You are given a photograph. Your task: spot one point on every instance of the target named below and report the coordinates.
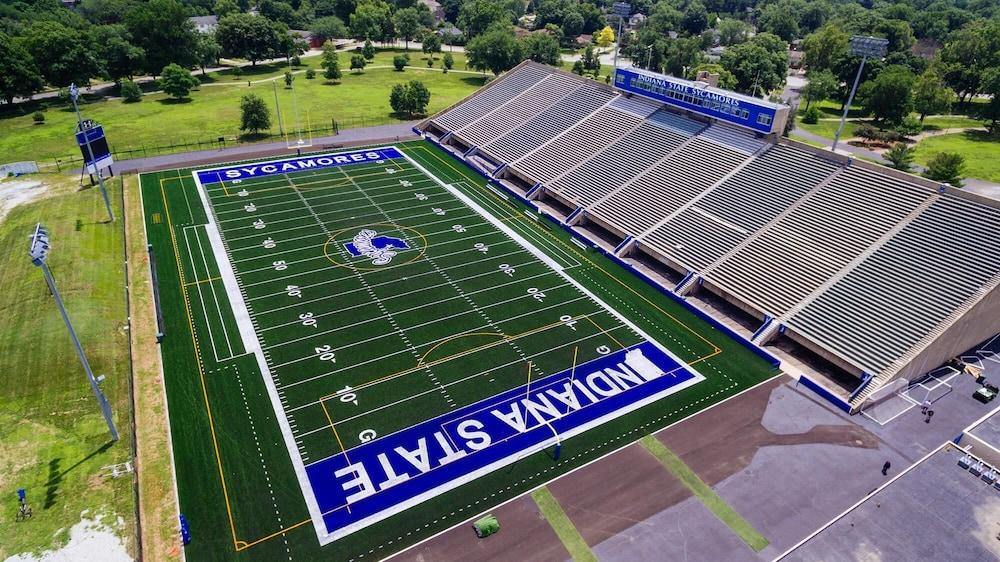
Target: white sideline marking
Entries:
(252, 345)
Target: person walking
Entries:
(886, 467)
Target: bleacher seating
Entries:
(831, 228)
(489, 99)
(519, 109)
(571, 147)
(622, 160)
(549, 123)
(861, 262)
(667, 186)
(739, 206)
(909, 285)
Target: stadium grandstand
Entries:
(853, 274)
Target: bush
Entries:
(430, 63)
(296, 61)
(310, 74)
(38, 117)
(910, 126)
(400, 62)
(946, 167)
(130, 91)
(900, 156)
(811, 116)
(237, 71)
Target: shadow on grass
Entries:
(475, 80)
(174, 101)
(56, 475)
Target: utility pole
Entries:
(622, 10)
(864, 47)
(39, 251)
(74, 93)
(277, 108)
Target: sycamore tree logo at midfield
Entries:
(381, 249)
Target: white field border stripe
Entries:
(551, 263)
(866, 497)
(252, 345)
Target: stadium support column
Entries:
(864, 47)
(39, 251)
(74, 93)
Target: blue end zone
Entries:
(317, 162)
(381, 477)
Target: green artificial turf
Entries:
(237, 487)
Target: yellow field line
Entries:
(209, 280)
(585, 258)
(606, 333)
(201, 369)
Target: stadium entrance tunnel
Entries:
(725, 311)
(666, 275)
(797, 356)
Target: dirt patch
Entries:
(605, 498)
(524, 535)
(19, 192)
(154, 464)
(90, 539)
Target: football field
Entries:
(378, 336)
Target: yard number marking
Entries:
(307, 319)
(568, 321)
(390, 170)
(457, 227)
(536, 294)
(479, 246)
(259, 224)
(508, 269)
(325, 353)
(438, 211)
(243, 193)
(294, 291)
(421, 196)
(280, 265)
(269, 243)
(250, 208)
(347, 393)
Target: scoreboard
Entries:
(94, 134)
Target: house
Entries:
(205, 24)
(636, 20)
(449, 34)
(307, 36)
(436, 10)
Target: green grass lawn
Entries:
(213, 111)
(981, 152)
(53, 440)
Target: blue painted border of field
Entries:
(444, 447)
(297, 164)
(757, 350)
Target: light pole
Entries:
(622, 10)
(39, 251)
(649, 56)
(864, 47)
(74, 93)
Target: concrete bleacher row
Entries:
(869, 266)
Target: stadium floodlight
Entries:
(863, 47)
(622, 10)
(74, 94)
(39, 252)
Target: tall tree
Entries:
(177, 81)
(371, 20)
(476, 16)
(605, 37)
(250, 37)
(495, 50)
(116, 53)
(431, 43)
(406, 23)
(207, 50)
(779, 19)
(822, 84)
(732, 32)
(542, 47)
(824, 46)
(931, 94)
(223, 8)
(759, 65)
(162, 29)
(19, 77)
(328, 27)
(254, 114)
(889, 97)
(695, 19)
(60, 53)
(329, 62)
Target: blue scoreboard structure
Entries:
(94, 134)
(753, 113)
